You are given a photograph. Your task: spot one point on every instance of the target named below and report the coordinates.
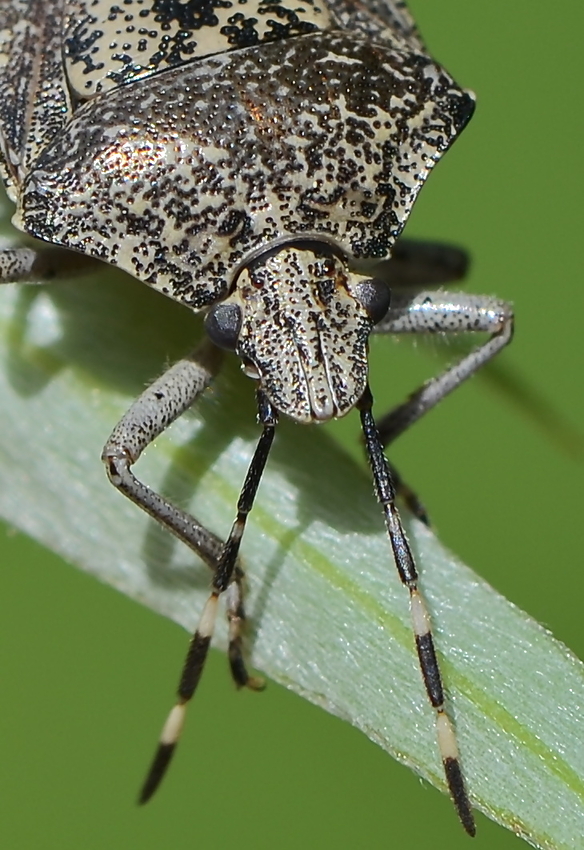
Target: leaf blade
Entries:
(329, 618)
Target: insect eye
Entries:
(375, 296)
(223, 323)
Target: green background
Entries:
(88, 673)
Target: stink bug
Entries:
(258, 165)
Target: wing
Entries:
(34, 102)
(385, 21)
(416, 264)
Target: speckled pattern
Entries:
(322, 130)
(107, 44)
(302, 321)
(253, 158)
(34, 97)
(180, 180)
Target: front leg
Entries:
(157, 408)
(41, 264)
(159, 405)
(443, 312)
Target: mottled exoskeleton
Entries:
(256, 160)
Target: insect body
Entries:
(255, 161)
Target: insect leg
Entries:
(443, 312)
(234, 597)
(417, 264)
(404, 561)
(158, 406)
(19, 265)
(235, 590)
(409, 496)
(224, 573)
(38, 266)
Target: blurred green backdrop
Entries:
(87, 674)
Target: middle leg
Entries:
(444, 313)
(224, 578)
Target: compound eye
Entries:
(375, 296)
(223, 323)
